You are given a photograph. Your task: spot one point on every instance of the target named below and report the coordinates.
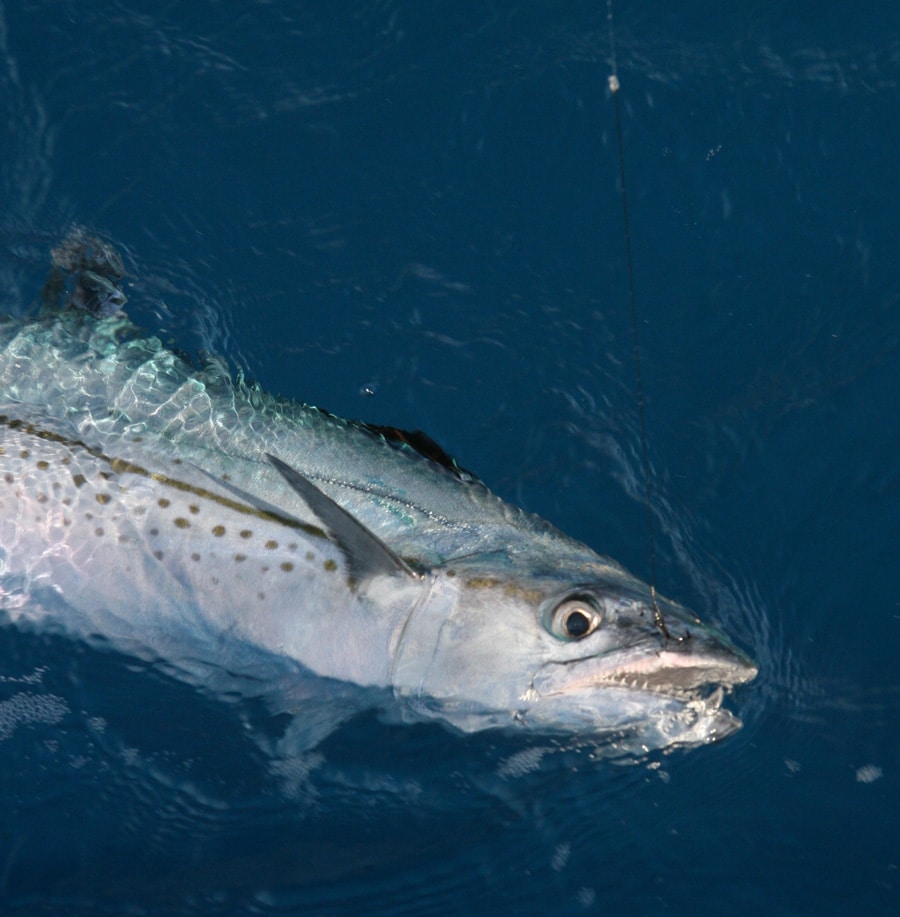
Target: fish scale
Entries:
(187, 562)
(105, 382)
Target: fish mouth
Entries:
(643, 697)
(677, 673)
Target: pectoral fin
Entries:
(366, 554)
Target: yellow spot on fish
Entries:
(23, 453)
(330, 565)
(483, 582)
(102, 498)
(530, 596)
(163, 503)
(271, 545)
(43, 465)
(246, 533)
(8, 478)
(79, 479)
(194, 508)
(310, 556)
(287, 566)
(239, 558)
(218, 530)
(158, 555)
(154, 532)
(98, 532)
(182, 523)
(195, 557)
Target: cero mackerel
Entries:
(266, 547)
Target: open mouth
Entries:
(672, 674)
(640, 703)
(701, 702)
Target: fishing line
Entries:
(613, 82)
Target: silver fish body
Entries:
(177, 514)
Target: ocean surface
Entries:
(410, 213)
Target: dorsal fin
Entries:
(367, 555)
(423, 445)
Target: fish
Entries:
(256, 546)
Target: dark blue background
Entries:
(422, 199)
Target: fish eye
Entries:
(574, 619)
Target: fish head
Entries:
(584, 648)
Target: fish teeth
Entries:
(643, 684)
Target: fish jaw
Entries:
(681, 667)
(651, 697)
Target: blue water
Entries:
(409, 212)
